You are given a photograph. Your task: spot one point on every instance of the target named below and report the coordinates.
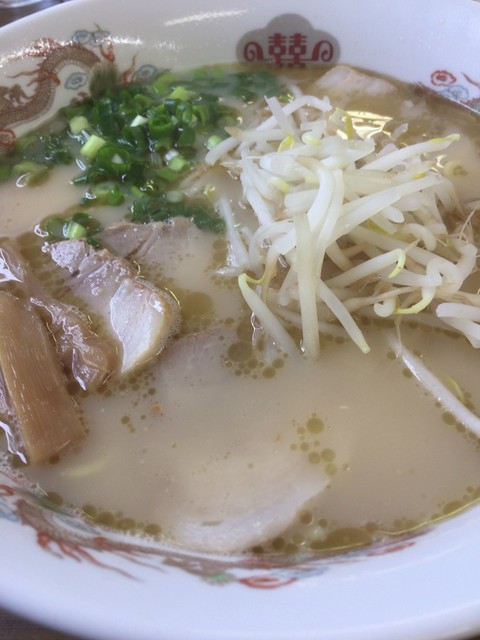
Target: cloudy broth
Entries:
(218, 434)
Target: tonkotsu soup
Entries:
(239, 308)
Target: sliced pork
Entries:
(239, 484)
(155, 242)
(90, 359)
(345, 81)
(137, 316)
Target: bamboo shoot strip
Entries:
(44, 412)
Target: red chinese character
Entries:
(277, 47)
(297, 49)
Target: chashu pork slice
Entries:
(155, 242)
(139, 317)
(90, 359)
(346, 81)
(236, 482)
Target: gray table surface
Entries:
(13, 627)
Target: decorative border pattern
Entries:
(22, 102)
(457, 86)
(32, 92)
(63, 534)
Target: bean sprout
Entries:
(350, 224)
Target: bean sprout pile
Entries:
(345, 226)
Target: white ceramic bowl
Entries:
(68, 574)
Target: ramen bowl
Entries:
(74, 575)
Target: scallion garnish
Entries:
(78, 225)
(92, 146)
(140, 141)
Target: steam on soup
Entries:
(249, 309)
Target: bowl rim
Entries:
(454, 616)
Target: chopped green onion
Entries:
(138, 120)
(187, 137)
(55, 227)
(138, 140)
(78, 124)
(148, 209)
(73, 230)
(203, 218)
(213, 141)
(177, 163)
(180, 93)
(92, 146)
(107, 193)
(30, 172)
(168, 174)
(85, 219)
(136, 192)
(5, 171)
(114, 161)
(79, 225)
